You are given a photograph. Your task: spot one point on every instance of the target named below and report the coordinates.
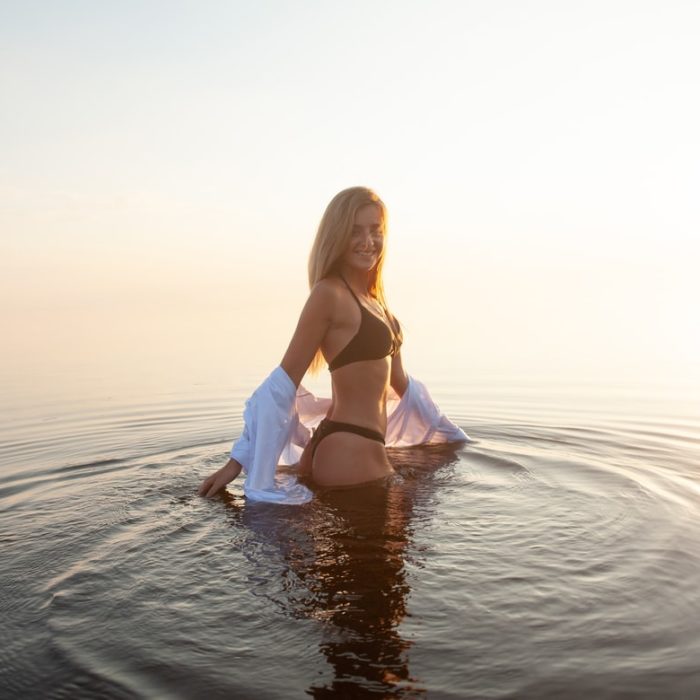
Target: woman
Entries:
(345, 322)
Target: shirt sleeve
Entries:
(416, 419)
(269, 418)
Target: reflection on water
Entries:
(347, 572)
(357, 588)
(554, 557)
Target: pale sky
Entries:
(164, 166)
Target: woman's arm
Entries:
(313, 324)
(398, 378)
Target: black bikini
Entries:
(373, 341)
(327, 427)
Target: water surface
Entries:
(555, 556)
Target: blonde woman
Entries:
(345, 323)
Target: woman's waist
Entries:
(367, 378)
(372, 418)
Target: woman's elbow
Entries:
(399, 382)
(295, 371)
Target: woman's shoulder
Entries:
(324, 296)
(327, 288)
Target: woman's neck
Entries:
(357, 279)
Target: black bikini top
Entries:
(373, 340)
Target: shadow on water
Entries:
(346, 570)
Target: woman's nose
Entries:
(366, 239)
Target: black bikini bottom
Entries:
(328, 427)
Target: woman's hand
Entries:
(214, 483)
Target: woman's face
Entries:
(367, 239)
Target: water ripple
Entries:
(516, 564)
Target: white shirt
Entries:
(279, 418)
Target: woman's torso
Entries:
(360, 388)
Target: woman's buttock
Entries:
(346, 459)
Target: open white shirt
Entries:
(279, 419)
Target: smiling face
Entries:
(367, 240)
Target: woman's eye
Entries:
(377, 234)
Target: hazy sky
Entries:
(164, 166)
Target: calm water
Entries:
(556, 556)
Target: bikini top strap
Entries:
(351, 292)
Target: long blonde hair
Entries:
(333, 238)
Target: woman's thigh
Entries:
(304, 466)
(344, 459)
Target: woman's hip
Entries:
(345, 454)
